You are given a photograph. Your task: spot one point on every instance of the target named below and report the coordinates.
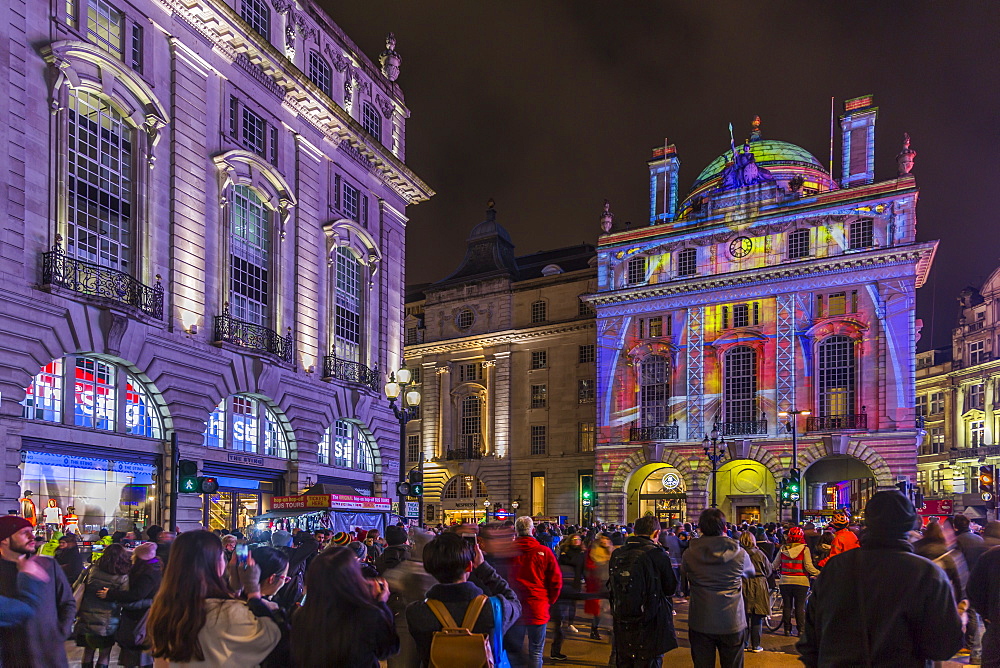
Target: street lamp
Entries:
(715, 450)
(515, 504)
(400, 388)
(792, 425)
(486, 513)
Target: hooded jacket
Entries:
(787, 559)
(535, 576)
(715, 567)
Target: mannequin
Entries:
(53, 517)
(28, 510)
(71, 522)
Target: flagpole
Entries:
(831, 136)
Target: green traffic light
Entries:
(586, 494)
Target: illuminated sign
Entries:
(671, 481)
(335, 501)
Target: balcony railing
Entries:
(742, 428)
(351, 372)
(462, 454)
(93, 280)
(836, 422)
(660, 432)
(251, 336)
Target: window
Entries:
(837, 304)
(539, 359)
(411, 336)
(936, 403)
(585, 310)
(656, 327)
(249, 257)
(539, 396)
(465, 319)
(585, 390)
(320, 73)
(977, 352)
(347, 306)
(636, 270)
(253, 132)
(587, 354)
(654, 390)
(99, 184)
(43, 398)
(861, 234)
(538, 494)
(136, 51)
(464, 487)
(350, 202)
(471, 424)
(740, 399)
(687, 262)
(414, 412)
(416, 375)
(977, 433)
(351, 446)
(253, 426)
(741, 315)
(539, 311)
(106, 27)
(258, 16)
(936, 435)
(470, 373)
(413, 448)
(836, 376)
(323, 449)
(921, 405)
(798, 244)
(974, 395)
(371, 121)
(585, 437)
(725, 317)
(539, 443)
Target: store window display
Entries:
(247, 423)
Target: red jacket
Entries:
(843, 540)
(535, 577)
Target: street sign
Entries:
(413, 509)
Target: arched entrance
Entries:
(836, 481)
(745, 491)
(657, 489)
(462, 499)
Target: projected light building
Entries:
(770, 288)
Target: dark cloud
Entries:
(549, 107)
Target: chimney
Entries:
(858, 141)
(663, 168)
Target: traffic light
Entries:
(794, 485)
(987, 482)
(416, 482)
(403, 488)
(586, 490)
(187, 477)
(208, 485)
(785, 493)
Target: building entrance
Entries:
(658, 490)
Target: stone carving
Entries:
(389, 59)
(289, 40)
(114, 326)
(906, 157)
(340, 61)
(607, 218)
(282, 6)
(385, 105)
(348, 89)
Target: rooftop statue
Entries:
(906, 157)
(743, 170)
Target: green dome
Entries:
(767, 153)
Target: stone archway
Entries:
(857, 449)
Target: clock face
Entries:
(741, 247)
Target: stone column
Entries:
(489, 424)
(500, 408)
(430, 411)
(445, 409)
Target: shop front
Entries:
(246, 488)
(661, 492)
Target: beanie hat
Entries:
(359, 549)
(395, 535)
(340, 539)
(146, 551)
(10, 525)
(281, 539)
(889, 514)
(361, 535)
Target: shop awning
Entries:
(275, 514)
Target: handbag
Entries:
(131, 634)
(500, 659)
(80, 588)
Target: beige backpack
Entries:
(457, 646)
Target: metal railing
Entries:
(93, 280)
(251, 336)
(742, 428)
(351, 372)
(660, 432)
(837, 422)
(460, 454)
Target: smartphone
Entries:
(242, 554)
(470, 539)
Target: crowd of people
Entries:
(882, 594)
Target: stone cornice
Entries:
(505, 337)
(762, 281)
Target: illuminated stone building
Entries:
(203, 246)
(958, 397)
(504, 350)
(770, 287)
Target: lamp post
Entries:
(715, 450)
(486, 513)
(400, 387)
(515, 504)
(793, 426)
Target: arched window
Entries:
(464, 487)
(654, 390)
(246, 424)
(836, 376)
(471, 428)
(350, 445)
(99, 183)
(320, 73)
(249, 257)
(102, 395)
(740, 398)
(348, 306)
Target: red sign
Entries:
(331, 501)
(937, 507)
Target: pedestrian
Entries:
(843, 538)
(463, 575)
(408, 583)
(344, 619)
(823, 548)
(537, 581)
(571, 565)
(934, 546)
(881, 605)
(984, 595)
(229, 546)
(97, 618)
(144, 577)
(756, 596)
(30, 643)
(596, 578)
(396, 550)
(68, 557)
(794, 565)
(273, 565)
(196, 618)
(971, 547)
(640, 585)
(299, 558)
(715, 566)
(29, 586)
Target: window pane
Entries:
(585, 437)
(94, 394)
(798, 244)
(538, 396)
(258, 16)
(539, 312)
(245, 423)
(320, 73)
(636, 270)
(343, 445)
(836, 376)
(741, 385)
(323, 451)
(861, 234)
(215, 430)
(254, 133)
(347, 306)
(105, 27)
(538, 439)
(654, 390)
(351, 202)
(249, 257)
(275, 442)
(43, 398)
(471, 427)
(371, 121)
(687, 262)
(141, 415)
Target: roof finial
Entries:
(755, 129)
(389, 59)
(491, 211)
(607, 218)
(906, 157)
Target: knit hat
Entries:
(340, 539)
(281, 539)
(359, 549)
(10, 525)
(395, 535)
(889, 514)
(361, 535)
(146, 551)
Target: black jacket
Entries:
(39, 640)
(71, 561)
(648, 640)
(984, 585)
(880, 606)
(391, 557)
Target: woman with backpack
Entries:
(97, 618)
(756, 598)
(795, 566)
(143, 583)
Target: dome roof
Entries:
(768, 153)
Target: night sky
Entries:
(549, 107)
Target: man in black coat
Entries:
(881, 605)
(640, 640)
(397, 552)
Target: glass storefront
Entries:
(663, 494)
(237, 503)
(104, 493)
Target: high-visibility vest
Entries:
(793, 566)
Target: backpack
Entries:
(457, 646)
(633, 584)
